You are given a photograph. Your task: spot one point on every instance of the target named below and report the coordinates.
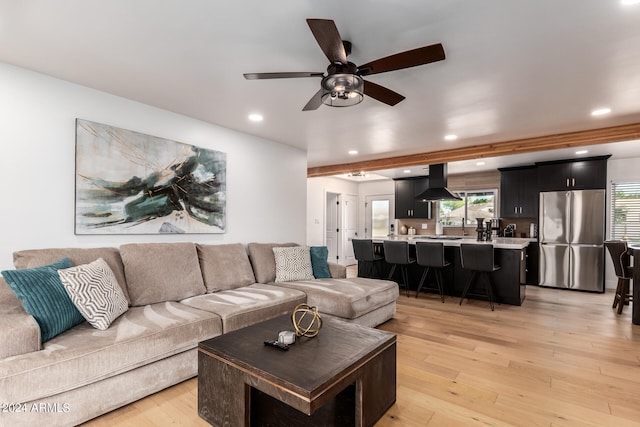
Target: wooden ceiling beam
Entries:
(519, 146)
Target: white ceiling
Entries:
(514, 69)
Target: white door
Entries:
(350, 227)
(332, 226)
(378, 215)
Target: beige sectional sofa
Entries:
(178, 295)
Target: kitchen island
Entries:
(510, 255)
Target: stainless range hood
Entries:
(437, 185)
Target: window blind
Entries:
(625, 211)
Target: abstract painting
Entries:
(131, 183)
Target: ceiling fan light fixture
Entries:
(342, 90)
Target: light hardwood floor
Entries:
(562, 359)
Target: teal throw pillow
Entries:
(319, 255)
(43, 296)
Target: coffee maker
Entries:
(496, 227)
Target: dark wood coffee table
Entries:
(344, 376)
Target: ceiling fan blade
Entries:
(328, 37)
(381, 93)
(407, 59)
(285, 75)
(314, 102)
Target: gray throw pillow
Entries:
(95, 292)
(262, 260)
(293, 264)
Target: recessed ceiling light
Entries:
(451, 137)
(582, 151)
(601, 111)
(353, 152)
(255, 117)
(628, 2)
(480, 164)
(407, 171)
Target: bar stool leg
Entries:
(405, 278)
(393, 270)
(422, 279)
(627, 292)
(467, 286)
(440, 282)
(490, 289)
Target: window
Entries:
(474, 204)
(625, 211)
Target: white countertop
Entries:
(497, 242)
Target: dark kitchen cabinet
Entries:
(406, 204)
(519, 192)
(532, 263)
(584, 174)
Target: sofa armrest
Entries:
(19, 334)
(19, 331)
(337, 271)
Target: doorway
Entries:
(379, 216)
(332, 226)
(341, 225)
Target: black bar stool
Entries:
(622, 265)
(431, 256)
(396, 252)
(364, 251)
(478, 258)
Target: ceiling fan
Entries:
(343, 85)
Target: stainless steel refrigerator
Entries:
(571, 233)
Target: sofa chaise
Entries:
(177, 294)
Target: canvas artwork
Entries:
(131, 183)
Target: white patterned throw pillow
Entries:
(95, 292)
(293, 263)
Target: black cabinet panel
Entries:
(589, 175)
(406, 204)
(519, 192)
(404, 198)
(573, 175)
(533, 257)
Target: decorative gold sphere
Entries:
(306, 321)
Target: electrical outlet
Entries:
(424, 226)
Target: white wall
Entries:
(617, 170)
(266, 181)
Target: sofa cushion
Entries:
(84, 355)
(95, 292)
(263, 261)
(346, 298)
(36, 257)
(158, 272)
(293, 263)
(225, 266)
(337, 271)
(248, 305)
(43, 296)
(319, 256)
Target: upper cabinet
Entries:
(519, 192)
(406, 204)
(584, 174)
